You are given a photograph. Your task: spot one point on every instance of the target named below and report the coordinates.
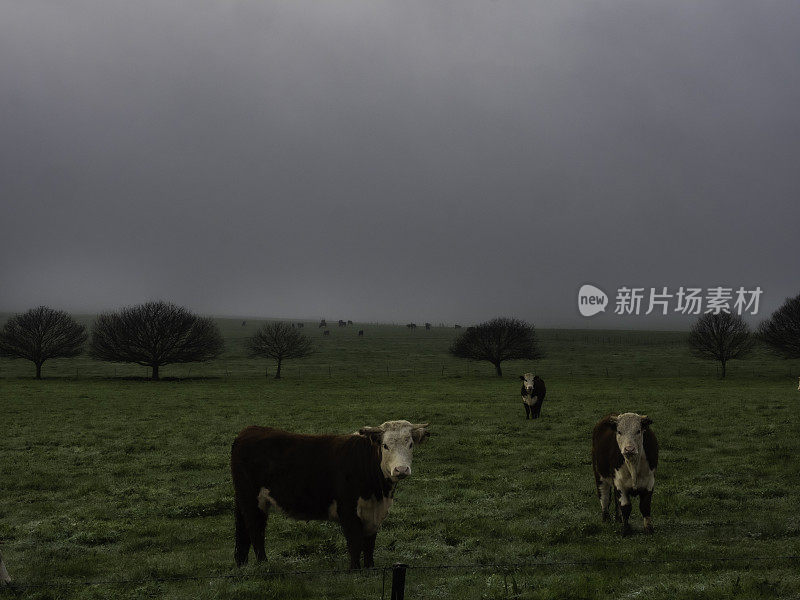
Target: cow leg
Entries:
(527, 410)
(255, 522)
(616, 505)
(604, 492)
(644, 506)
(258, 536)
(242, 548)
(625, 506)
(354, 535)
(369, 550)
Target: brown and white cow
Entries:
(625, 457)
(533, 393)
(345, 478)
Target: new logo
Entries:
(591, 300)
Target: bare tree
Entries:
(781, 332)
(721, 337)
(498, 340)
(42, 333)
(155, 334)
(279, 341)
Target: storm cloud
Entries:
(430, 161)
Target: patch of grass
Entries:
(108, 479)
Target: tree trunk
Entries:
(38, 370)
(155, 373)
(278, 372)
(498, 370)
(723, 369)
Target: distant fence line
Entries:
(372, 370)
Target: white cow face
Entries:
(630, 428)
(397, 440)
(527, 382)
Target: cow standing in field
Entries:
(345, 478)
(533, 393)
(624, 458)
(326, 332)
(360, 333)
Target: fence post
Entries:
(399, 581)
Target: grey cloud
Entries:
(434, 161)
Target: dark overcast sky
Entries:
(394, 161)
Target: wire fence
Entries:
(503, 567)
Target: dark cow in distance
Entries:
(533, 393)
(624, 458)
(360, 333)
(345, 478)
(326, 332)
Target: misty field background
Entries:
(109, 477)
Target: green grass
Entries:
(108, 479)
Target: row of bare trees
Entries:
(152, 335)
(724, 337)
(155, 334)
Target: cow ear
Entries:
(419, 433)
(646, 421)
(522, 377)
(613, 420)
(375, 434)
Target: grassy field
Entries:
(106, 477)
